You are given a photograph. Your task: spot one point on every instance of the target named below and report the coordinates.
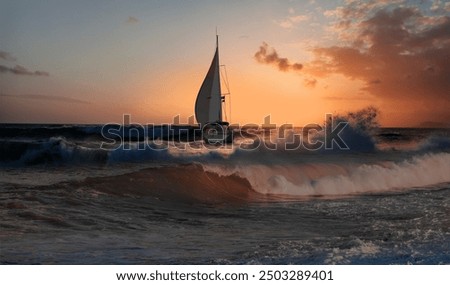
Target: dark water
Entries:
(63, 200)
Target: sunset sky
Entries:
(92, 61)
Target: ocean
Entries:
(68, 195)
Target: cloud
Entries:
(375, 81)
(132, 20)
(342, 98)
(400, 53)
(6, 56)
(267, 55)
(394, 55)
(20, 70)
(46, 98)
(292, 20)
(310, 82)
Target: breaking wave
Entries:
(48, 151)
(335, 179)
(364, 168)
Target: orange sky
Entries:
(295, 61)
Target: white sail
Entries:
(208, 106)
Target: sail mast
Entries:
(217, 39)
(218, 77)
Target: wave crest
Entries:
(328, 179)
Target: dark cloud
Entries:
(46, 98)
(20, 70)
(268, 55)
(310, 82)
(395, 55)
(375, 81)
(339, 98)
(132, 20)
(6, 56)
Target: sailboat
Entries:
(208, 106)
